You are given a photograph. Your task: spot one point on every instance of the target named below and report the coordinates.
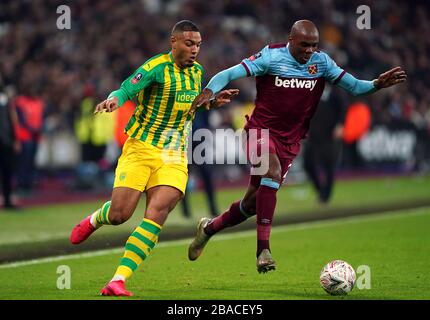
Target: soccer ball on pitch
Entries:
(337, 277)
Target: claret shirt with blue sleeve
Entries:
(288, 92)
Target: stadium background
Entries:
(109, 39)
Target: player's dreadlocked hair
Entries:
(185, 25)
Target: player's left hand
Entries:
(390, 78)
(223, 97)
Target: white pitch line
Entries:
(300, 226)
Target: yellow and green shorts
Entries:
(142, 166)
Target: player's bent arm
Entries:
(355, 86)
(221, 79)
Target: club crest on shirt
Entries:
(136, 78)
(255, 56)
(313, 69)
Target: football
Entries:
(337, 277)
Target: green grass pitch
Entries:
(40, 225)
(393, 245)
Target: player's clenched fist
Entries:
(107, 105)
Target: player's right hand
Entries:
(107, 105)
(202, 100)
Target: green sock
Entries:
(101, 216)
(139, 245)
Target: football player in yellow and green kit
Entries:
(153, 159)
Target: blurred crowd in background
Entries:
(69, 71)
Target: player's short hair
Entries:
(185, 25)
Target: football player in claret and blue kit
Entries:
(290, 79)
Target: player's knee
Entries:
(118, 215)
(117, 219)
(249, 206)
(274, 174)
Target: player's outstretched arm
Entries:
(359, 87)
(390, 78)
